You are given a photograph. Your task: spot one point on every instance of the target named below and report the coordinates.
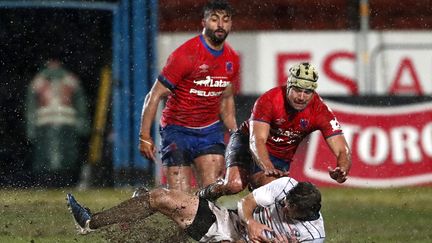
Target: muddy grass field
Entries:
(351, 215)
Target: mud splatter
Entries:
(156, 228)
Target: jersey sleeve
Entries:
(273, 191)
(262, 109)
(178, 65)
(236, 76)
(327, 122)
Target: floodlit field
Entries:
(351, 215)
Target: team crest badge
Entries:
(304, 123)
(229, 67)
(295, 233)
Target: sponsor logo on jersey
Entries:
(335, 125)
(212, 82)
(205, 93)
(285, 136)
(277, 139)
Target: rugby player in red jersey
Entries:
(198, 81)
(281, 118)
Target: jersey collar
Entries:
(214, 52)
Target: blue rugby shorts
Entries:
(181, 145)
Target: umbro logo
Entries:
(203, 68)
(280, 121)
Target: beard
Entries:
(216, 40)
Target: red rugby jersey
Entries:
(289, 127)
(197, 76)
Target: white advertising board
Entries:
(397, 62)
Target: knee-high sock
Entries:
(213, 191)
(130, 210)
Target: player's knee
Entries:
(158, 197)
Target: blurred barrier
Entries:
(134, 53)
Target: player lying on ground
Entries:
(284, 210)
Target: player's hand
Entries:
(256, 231)
(275, 172)
(338, 174)
(147, 148)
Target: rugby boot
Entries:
(80, 214)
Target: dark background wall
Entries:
(82, 39)
(251, 15)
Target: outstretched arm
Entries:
(340, 149)
(151, 102)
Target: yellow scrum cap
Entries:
(303, 75)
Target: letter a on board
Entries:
(413, 87)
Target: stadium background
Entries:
(84, 38)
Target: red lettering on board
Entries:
(329, 71)
(397, 87)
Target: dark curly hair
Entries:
(307, 198)
(218, 5)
